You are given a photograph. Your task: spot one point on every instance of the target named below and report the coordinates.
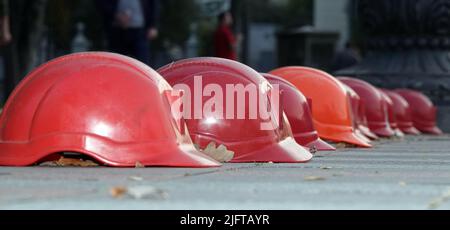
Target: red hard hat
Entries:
(424, 113)
(298, 113)
(105, 106)
(392, 116)
(359, 116)
(403, 114)
(242, 135)
(331, 107)
(377, 111)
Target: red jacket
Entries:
(224, 43)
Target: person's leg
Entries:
(140, 46)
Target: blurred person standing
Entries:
(22, 30)
(225, 42)
(5, 39)
(5, 31)
(130, 26)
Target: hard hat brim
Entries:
(321, 145)
(366, 131)
(384, 132)
(432, 130)
(411, 131)
(362, 136)
(286, 151)
(349, 138)
(399, 133)
(102, 150)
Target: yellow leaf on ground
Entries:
(139, 165)
(139, 193)
(118, 192)
(342, 145)
(314, 178)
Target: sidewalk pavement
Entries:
(413, 174)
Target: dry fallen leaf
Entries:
(139, 165)
(314, 178)
(139, 193)
(136, 178)
(49, 164)
(69, 162)
(342, 145)
(118, 192)
(211, 147)
(221, 153)
(66, 162)
(147, 192)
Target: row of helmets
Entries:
(118, 111)
(353, 111)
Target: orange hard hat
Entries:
(106, 106)
(241, 134)
(330, 103)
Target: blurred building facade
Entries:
(334, 16)
(407, 45)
